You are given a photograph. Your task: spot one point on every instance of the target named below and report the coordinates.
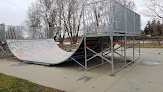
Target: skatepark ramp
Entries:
(41, 50)
(105, 24)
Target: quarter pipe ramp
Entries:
(47, 52)
(38, 51)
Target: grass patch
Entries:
(150, 45)
(4, 56)
(13, 84)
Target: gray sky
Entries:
(140, 5)
(13, 12)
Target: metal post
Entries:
(112, 52)
(6, 52)
(125, 37)
(139, 47)
(97, 24)
(6, 41)
(134, 40)
(121, 47)
(83, 20)
(133, 48)
(85, 49)
(0, 52)
(102, 48)
(125, 50)
(134, 24)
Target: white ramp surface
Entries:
(39, 51)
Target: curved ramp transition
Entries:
(47, 52)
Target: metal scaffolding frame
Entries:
(105, 53)
(110, 31)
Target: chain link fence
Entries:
(2, 32)
(23, 33)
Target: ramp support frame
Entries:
(110, 50)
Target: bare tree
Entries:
(33, 16)
(128, 3)
(71, 16)
(154, 9)
(155, 29)
(48, 12)
(65, 16)
(61, 30)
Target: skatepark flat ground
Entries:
(70, 77)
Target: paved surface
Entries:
(70, 77)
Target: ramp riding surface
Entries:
(38, 51)
(47, 52)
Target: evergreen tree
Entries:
(153, 28)
(159, 28)
(147, 28)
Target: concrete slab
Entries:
(71, 77)
(143, 78)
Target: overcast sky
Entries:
(140, 5)
(13, 12)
